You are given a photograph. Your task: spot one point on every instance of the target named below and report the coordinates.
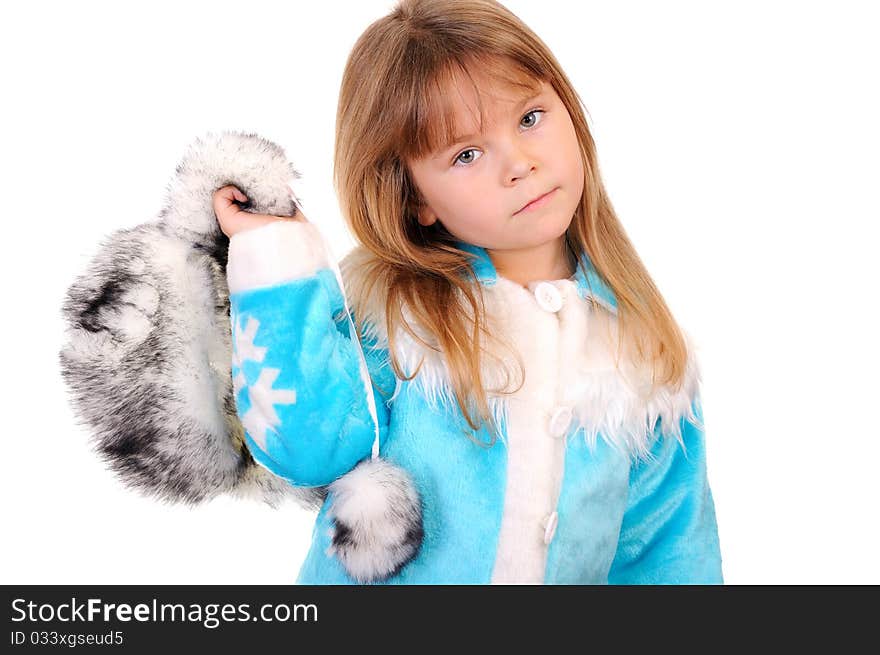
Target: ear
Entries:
(426, 216)
(416, 202)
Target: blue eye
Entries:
(534, 111)
(458, 159)
(464, 152)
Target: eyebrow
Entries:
(465, 137)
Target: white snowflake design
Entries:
(261, 416)
(244, 343)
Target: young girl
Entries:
(513, 401)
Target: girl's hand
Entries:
(233, 219)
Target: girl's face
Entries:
(478, 185)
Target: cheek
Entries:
(475, 222)
(466, 204)
(565, 145)
(577, 173)
(570, 170)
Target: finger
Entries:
(222, 196)
(232, 200)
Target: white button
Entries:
(550, 527)
(548, 297)
(560, 421)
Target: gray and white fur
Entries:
(147, 358)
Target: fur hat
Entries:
(148, 363)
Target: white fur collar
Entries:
(569, 359)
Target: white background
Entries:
(739, 143)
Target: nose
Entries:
(519, 163)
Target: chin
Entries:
(552, 229)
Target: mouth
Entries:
(540, 201)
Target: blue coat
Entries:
(592, 481)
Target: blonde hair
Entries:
(392, 109)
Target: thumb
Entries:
(238, 195)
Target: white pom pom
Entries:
(377, 518)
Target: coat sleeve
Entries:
(669, 533)
(303, 382)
